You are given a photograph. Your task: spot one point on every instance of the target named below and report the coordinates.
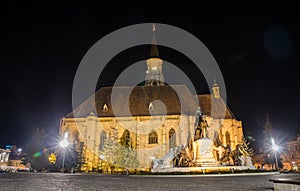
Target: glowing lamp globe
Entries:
(64, 143)
(275, 147)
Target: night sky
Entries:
(42, 44)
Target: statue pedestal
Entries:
(203, 152)
(246, 161)
(249, 161)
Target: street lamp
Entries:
(275, 149)
(19, 151)
(101, 157)
(63, 144)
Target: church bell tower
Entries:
(216, 90)
(154, 74)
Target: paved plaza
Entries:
(98, 182)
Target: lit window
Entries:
(125, 139)
(105, 108)
(152, 137)
(102, 139)
(172, 138)
(150, 106)
(227, 136)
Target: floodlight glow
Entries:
(64, 143)
(275, 147)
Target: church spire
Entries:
(154, 49)
(268, 126)
(154, 74)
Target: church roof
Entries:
(206, 101)
(141, 97)
(139, 100)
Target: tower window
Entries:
(154, 83)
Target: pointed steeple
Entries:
(154, 74)
(268, 126)
(154, 49)
(267, 118)
(216, 89)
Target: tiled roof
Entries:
(176, 99)
(206, 101)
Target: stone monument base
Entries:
(203, 153)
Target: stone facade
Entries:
(291, 155)
(91, 127)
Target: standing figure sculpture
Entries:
(197, 114)
(200, 125)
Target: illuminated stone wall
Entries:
(90, 128)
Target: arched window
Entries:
(172, 138)
(154, 83)
(102, 139)
(227, 136)
(76, 137)
(125, 138)
(152, 137)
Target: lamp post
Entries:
(101, 157)
(19, 152)
(63, 144)
(275, 149)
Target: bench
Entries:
(286, 184)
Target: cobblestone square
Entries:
(99, 182)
